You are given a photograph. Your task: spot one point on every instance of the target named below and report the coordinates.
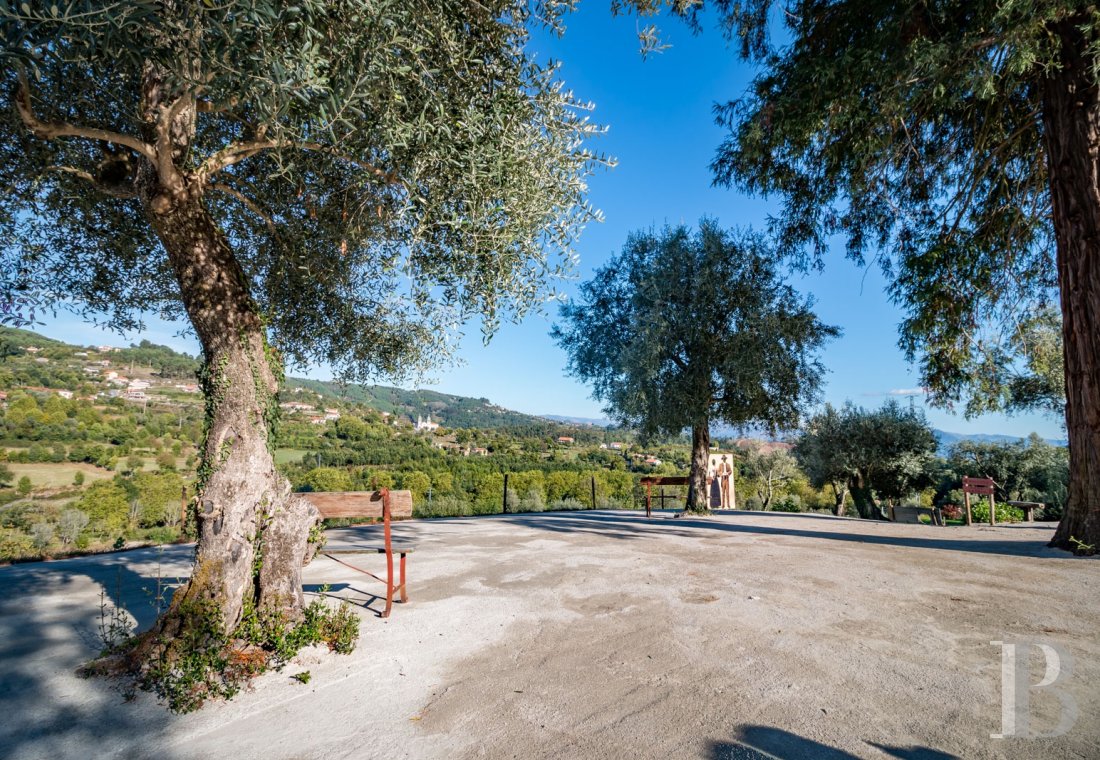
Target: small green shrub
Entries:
(788, 503)
(1005, 513)
(442, 506)
(207, 663)
(162, 534)
(566, 505)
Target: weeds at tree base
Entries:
(1081, 549)
(203, 662)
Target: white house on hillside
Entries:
(426, 424)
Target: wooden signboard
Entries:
(979, 487)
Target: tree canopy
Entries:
(683, 326)
(348, 181)
(382, 172)
(874, 454)
(914, 132)
(681, 329)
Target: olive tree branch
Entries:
(116, 191)
(238, 152)
(247, 203)
(51, 130)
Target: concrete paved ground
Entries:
(603, 635)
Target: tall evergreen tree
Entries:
(681, 330)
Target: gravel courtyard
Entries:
(602, 635)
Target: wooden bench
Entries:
(659, 480)
(383, 504)
(1028, 507)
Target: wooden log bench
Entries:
(384, 504)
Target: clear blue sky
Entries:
(662, 132)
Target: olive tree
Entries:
(326, 181)
(769, 471)
(823, 453)
(874, 454)
(683, 329)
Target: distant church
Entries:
(426, 424)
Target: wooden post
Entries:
(992, 510)
(504, 506)
(966, 501)
(648, 498)
(593, 492)
(183, 511)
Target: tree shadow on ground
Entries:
(752, 742)
(624, 525)
(352, 594)
(50, 616)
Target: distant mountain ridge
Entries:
(946, 440)
(444, 408)
(569, 420)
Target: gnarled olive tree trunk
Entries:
(252, 532)
(840, 497)
(863, 497)
(1071, 127)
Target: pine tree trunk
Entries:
(700, 453)
(1071, 126)
(252, 532)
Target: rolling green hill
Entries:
(452, 411)
(444, 408)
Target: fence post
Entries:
(593, 492)
(504, 509)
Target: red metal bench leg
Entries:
(404, 595)
(389, 551)
(389, 582)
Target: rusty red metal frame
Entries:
(388, 549)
